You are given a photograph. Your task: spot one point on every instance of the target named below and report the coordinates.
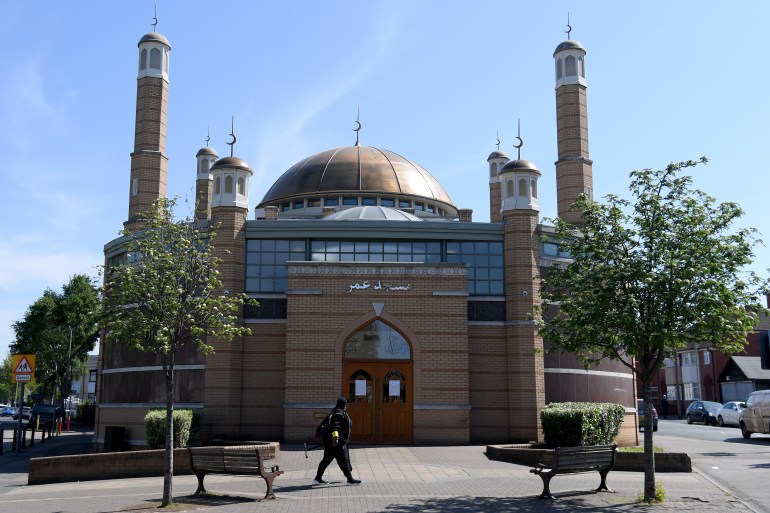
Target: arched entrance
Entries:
(377, 380)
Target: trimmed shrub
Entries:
(577, 424)
(155, 428)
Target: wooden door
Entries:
(380, 401)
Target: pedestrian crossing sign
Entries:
(23, 366)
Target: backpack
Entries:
(332, 421)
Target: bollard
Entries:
(2, 439)
(32, 437)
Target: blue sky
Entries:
(434, 80)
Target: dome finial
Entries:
(232, 134)
(569, 27)
(208, 135)
(520, 140)
(358, 122)
(155, 19)
(498, 140)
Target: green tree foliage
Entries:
(166, 294)
(50, 324)
(651, 276)
(6, 387)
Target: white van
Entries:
(755, 418)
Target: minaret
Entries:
(206, 157)
(520, 213)
(149, 163)
(224, 367)
(573, 169)
(496, 160)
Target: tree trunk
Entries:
(649, 452)
(168, 471)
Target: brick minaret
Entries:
(149, 163)
(520, 213)
(204, 183)
(224, 369)
(497, 159)
(573, 169)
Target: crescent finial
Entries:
(520, 141)
(208, 135)
(155, 19)
(498, 140)
(232, 134)
(569, 27)
(358, 124)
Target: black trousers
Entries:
(339, 453)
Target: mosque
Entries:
(372, 284)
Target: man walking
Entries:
(335, 431)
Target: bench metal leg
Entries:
(200, 489)
(546, 486)
(603, 484)
(269, 482)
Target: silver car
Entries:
(730, 413)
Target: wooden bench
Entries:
(574, 460)
(238, 460)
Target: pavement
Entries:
(396, 479)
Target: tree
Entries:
(166, 294)
(651, 277)
(6, 387)
(60, 329)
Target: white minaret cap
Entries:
(206, 158)
(497, 159)
(231, 183)
(570, 60)
(518, 186)
(154, 50)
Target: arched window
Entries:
(533, 186)
(558, 69)
(241, 186)
(377, 341)
(217, 185)
(143, 59)
(569, 66)
(582, 67)
(228, 185)
(203, 166)
(155, 58)
(509, 188)
(360, 387)
(522, 186)
(165, 62)
(492, 169)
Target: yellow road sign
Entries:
(23, 366)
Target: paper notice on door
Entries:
(360, 387)
(394, 388)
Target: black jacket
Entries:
(337, 420)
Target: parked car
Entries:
(730, 413)
(25, 410)
(703, 411)
(43, 416)
(640, 412)
(7, 411)
(755, 417)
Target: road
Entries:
(724, 456)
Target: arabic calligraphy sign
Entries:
(379, 286)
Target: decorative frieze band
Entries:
(326, 269)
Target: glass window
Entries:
(331, 202)
(388, 202)
(360, 390)
(266, 263)
(228, 185)
(217, 185)
(143, 59)
(533, 186)
(241, 186)
(314, 202)
(522, 187)
(558, 69)
(377, 341)
(707, 357)
(404, 204)
(155, 58)
(569, 66)
(285, 207)
(368, 201)
(349, 201)
(419, 206)
(582, 67)
(299, 204)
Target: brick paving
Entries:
(396, 480)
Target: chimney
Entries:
(327, 211)
(271, 213)
(465, 215)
